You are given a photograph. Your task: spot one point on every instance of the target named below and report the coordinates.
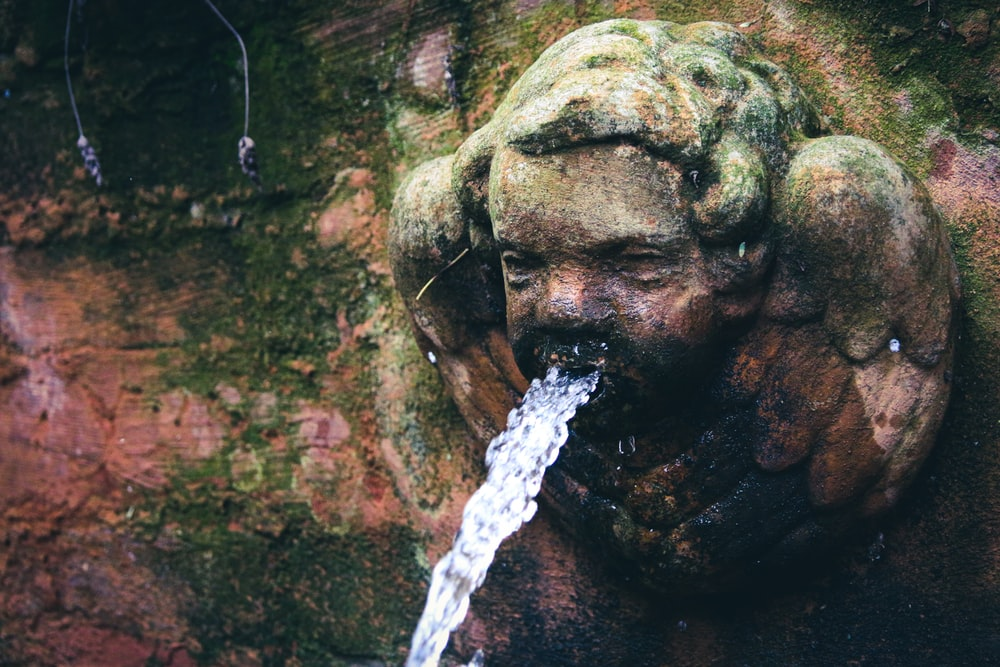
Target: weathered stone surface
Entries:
(281, 547)
(773, 312)
(79, 408)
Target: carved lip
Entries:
(584, 356)
(611, 463)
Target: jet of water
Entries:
(516, 461)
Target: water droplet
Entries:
(876, 548)
(626, 447)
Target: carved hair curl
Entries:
(695, 94)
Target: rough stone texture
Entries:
(272, 316)
(774, 314)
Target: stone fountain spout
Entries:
(772, 308)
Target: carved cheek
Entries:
(520, 311)
(685, 316)
(699, 316)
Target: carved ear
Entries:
(459, 317)
(864, 253)
(426, 230)
(864, 247)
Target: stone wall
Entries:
(219, 443)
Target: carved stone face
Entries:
(601, 267)
(772, 310)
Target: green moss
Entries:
(161, 96)
(279, 308)
(707, 67)
(922, 81)
(629, 29)
(163, 103)
(429, 431)
(597, 61)
(979, 282)
(283, 586)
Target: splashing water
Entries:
(516, 461)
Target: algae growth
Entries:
(280, 317)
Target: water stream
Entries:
(516, 461)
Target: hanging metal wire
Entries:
(247, 149)
(90, 161)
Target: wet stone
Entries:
(772, 310)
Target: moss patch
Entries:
(282, 586)
(280, 315)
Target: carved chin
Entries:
(702, 519)
(622, 406)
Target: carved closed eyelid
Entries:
(644, 253)
(644, 264)
(647, 254)
(520, 269)
(520, 259)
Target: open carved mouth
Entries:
(584, 356)
(615, 363)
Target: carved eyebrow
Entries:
(657, 245)
(665, 244)
(507, 245)
(503, 236)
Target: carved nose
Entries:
(568, 302)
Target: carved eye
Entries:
(521, 270)
(644, 265)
